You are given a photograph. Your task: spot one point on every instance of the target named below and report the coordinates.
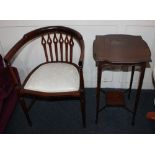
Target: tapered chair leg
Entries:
(24, 108)
(83, 109)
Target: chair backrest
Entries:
(57, 43)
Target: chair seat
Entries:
(54, 77)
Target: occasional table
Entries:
(122, 50)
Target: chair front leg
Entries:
(82, 98)
(25, 110)
(83, 108)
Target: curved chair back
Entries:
(57, 43)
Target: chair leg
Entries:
(24, 108)
(83, 109)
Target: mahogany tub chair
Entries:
(57, 77)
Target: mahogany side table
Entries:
(123, 50)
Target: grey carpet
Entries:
(61, 117)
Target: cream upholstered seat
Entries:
(54, 77)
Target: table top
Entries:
(120, 48)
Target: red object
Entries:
(150, 116)
(8, 97)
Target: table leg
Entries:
(142, 72)
(131, 80)
(99, 75)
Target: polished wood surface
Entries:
(120, 49)
(52, 38)
(114, 98)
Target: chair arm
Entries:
(81, 59)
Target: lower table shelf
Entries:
(115, 98)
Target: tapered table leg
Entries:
(142, 72)
(131, 80)
(99, 75)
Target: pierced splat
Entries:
(71, 43)
(55, 40)
(61, 45)
(43, 42)
(49, 42)
(66, 47)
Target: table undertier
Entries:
(115, 98)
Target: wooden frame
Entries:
(68, 42)
(120, 50)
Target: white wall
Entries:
(12, 31)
